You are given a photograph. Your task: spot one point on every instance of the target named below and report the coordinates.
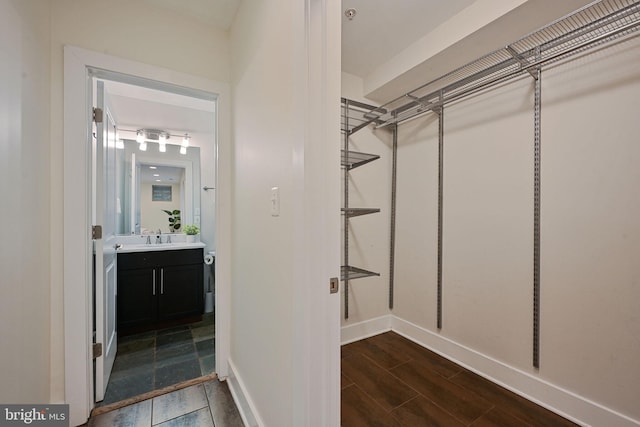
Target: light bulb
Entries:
(140, 137)
(143, 146)
(183, 150)
(163, 147)
(185, 141)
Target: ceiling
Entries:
(160, 175)
(379, 31)
(383, 28)
(220, 13)
(135, 107)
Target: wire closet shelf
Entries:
(355, 116)
(595, 24)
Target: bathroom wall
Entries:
(590, 235)
(135, 30)
(24, 201)
(152, 212)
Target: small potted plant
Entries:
(192, 231)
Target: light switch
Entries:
(275, 201)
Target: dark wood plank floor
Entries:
(388, 380)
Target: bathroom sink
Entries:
(143, 247)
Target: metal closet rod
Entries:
(423, 104)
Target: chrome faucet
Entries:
(148, 239)
(168, 238)
(158, 239)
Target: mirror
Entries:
(151, 182)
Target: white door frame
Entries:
(316, 170)
(77, 265)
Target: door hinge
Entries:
(334, 285)
(97, 115)
(97, 350)
(96, 232)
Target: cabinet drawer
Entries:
(133, 260)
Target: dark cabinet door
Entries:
(180, 291)
(136, 300)
(159, 289)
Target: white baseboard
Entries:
(243, 401)
(368, 328)
(563, 402)
(574, 407)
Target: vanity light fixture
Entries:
(156, 135)
(152, 135)
(185, 143)
(162, 141)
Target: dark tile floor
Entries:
(207, 404)
(388, 380)
(157, 359)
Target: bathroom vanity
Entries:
(159, 286)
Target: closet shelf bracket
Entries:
(349, 272)
(351, 212)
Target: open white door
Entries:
(104, 214)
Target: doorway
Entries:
(146, 179)
(80, 67)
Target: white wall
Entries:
(116, 28)
(285, 336)
(24, 195)
(591, 227)
(590, 233)
(263, 307)
(151, 212)
(262, 42)
(488, 239)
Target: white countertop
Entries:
(125, 248)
